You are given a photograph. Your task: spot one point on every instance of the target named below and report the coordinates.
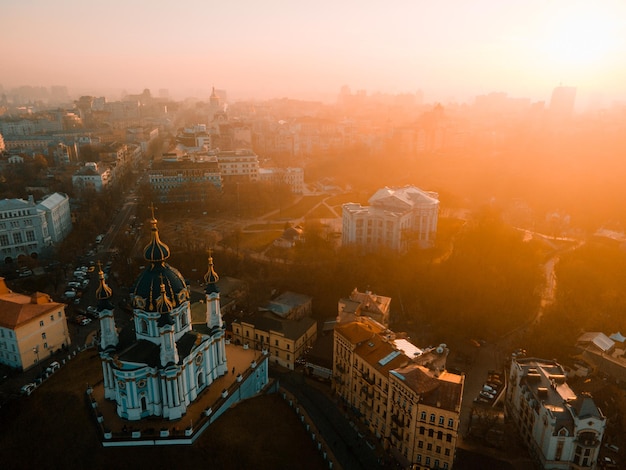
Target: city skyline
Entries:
(450, 51)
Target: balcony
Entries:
(397, 420)
(367, 378)
(395, 432)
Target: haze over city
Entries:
(450, 50)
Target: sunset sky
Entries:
(449, 49)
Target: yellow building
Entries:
(403, 394)
(32, 327)
(285, 340)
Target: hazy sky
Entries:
(449, 49)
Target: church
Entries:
(161, 367)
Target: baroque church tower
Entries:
(165, 364)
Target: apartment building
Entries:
(562, 430)
(238, 165)
(285, 340)
(366, 304)
(32, 327)
(188, 176)
(27, 227)
(402, 393)
(93, 176)
(397, 218)
(292, 177)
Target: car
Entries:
(53, 367)
(91, 269)
(69, 294)
(92, 309)
(486, 395)
(612, 447)
(488, 389)
(85, 321)
(28, 388)
(25, 273)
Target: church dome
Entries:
(159, 277)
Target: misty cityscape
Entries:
(341, 236)
(287, 195)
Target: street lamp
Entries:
(36, 351)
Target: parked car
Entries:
(53, 367)
(486, 395)
(28, 389)
(85, 321)
(69, 294)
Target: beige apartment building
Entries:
(32, 327)
(403, 394)
(285, 340)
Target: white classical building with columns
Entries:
(396, 218)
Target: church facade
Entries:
(161, 367)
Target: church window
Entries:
(143, 326)
(121, 384)
(141, 383)
(199, 359)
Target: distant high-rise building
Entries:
(562, 101)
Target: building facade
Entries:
(560, 429)
(32, 327)
(284, 340)
(292, 177)
(364, 304)
(163, 367)
(397, 218)
(238, 165)
(404, 395)
(93, 176)
(28, 228)
(188, 179)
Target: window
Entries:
(276, 342)
(432, 418)
(441, 419)
(438, 449)
(51, 317)
(45, 345)
(450, 422)
(446, 452)
(40, 322)
(43, 336)
(30, 236)
(420, 444)
(423, 416)
(431, 433)
(17, 238)
(4, 240)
